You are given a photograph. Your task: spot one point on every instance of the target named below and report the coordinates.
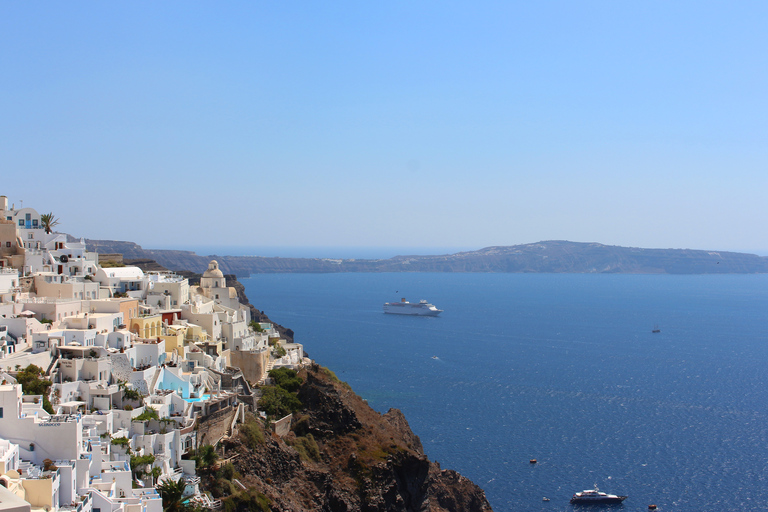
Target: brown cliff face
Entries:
(364, 461)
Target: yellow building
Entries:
(174, 338)
(149, 326)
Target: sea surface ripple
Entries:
(561, 368)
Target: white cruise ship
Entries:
(404, 307)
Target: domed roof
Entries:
(213, 270)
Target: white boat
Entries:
(404, 307)
(595, 496)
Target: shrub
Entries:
(131, 394)
(307, 447)
(206, 457)
(252, 432)
(247, 501)
(148, 414)
(32, 383)
(286, 378)
(277, 402)
(138, 462)
(332, 376)
(227, 471)
(222, 487)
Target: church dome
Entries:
(213, 270)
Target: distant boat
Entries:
(595, 496)
(404, 307)
(656, 329)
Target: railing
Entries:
(82, 504)
(47, 300)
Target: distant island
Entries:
(555, 256)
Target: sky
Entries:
(389, 124)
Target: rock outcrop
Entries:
(359, 460)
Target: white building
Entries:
(124, 280)
(39, 436)
(9, 284)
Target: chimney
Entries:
(3, 203)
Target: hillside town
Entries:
(108, 371)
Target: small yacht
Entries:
(595, 496)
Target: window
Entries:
(21, 222)
(7, 244)
(31, 236)
(1, 412)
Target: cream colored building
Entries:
(60, 286)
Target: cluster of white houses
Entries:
(136, 360)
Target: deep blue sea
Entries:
(561, 368)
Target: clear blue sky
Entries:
(451, 124)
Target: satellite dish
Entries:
(64, 258)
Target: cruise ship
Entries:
(404, 307)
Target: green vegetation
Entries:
(247, 501)
(252, 432)
(206, 457)
(277, 402)
(255, 326)
(155, 472)
(48, 222)
(287, 379)
(332, 376)
(131, 394)
(121, 441)
(32, 383)
(278, 351)
(148, 414)
(228, 472)
(307, 448)
(139, 463)
(172, 494)
(110, 264)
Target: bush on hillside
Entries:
(286, 378)
(277, 402)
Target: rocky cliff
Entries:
(340, 455)
(550, 257)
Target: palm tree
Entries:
(206, 457)
(48, 221)
(172, 494)
(156, 472)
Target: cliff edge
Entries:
(339, 455)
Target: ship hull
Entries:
(598, 501)
(411, 312)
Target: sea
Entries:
(561, 368)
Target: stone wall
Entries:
(252, 364)
(121, 367)
(282, 426)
